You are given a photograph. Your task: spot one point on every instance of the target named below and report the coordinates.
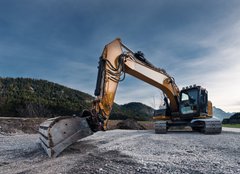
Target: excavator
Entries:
(186, 107)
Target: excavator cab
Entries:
(193, 102)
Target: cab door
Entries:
(189, 103)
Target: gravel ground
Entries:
(125, 151)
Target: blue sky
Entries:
(197, 42)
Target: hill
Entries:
(25, 97)
(133, 110)
(234, 119)
(220, 114)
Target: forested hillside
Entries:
(134, 110)
(234, 119)
(25, 97)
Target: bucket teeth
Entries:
(56, 134)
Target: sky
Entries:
(196, 42)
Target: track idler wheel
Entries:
(160, 127)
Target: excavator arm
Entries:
(115, 61)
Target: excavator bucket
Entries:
(56, 134)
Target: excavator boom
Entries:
(115, 61)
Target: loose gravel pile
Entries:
(129, 124)
(125, 151)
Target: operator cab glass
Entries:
(189, 101)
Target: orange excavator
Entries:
(188, 107)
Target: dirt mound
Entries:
(129, 124)
(19, 125)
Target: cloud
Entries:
(61, 41)
(215, 65)
(218, 70)
(77, 75)
(224, 74)
(138, 91)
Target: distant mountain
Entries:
(220, 114)
(140, 111)
(133, 110)
(234, 119)
(25, 97)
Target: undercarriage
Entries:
(206, 126)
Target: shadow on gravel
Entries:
(105, 162)
(182, 132)
(21, 154)
(80, 148)
(89, 159)
(3, 163)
